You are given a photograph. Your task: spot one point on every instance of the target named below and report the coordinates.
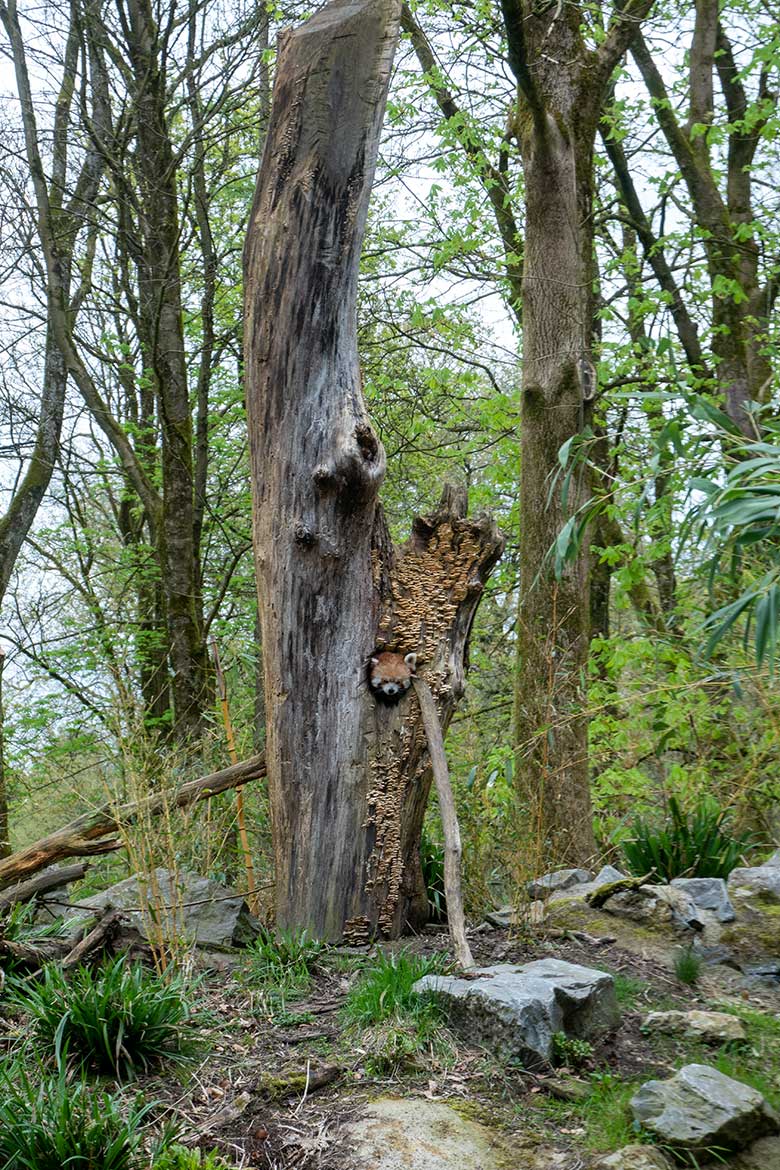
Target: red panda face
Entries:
(390, 675)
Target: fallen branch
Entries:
(103, 931)
(456, 920)
(44, 883)
(84, 837)
(597, 898)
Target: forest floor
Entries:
(281, 1077)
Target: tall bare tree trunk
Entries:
(348, 778)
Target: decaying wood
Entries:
(348, 779)
(456, 919)
(298, 1082)
(597, 898)
(109, 931)
(224, 1116)
(44, 883)
(101, 933)
(86, 835)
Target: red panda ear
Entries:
(411, 661)
(375, 662)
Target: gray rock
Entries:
(685, 913)
(708, 894)
(607, 874)
(657, 906)
(711, 1027)
(634, 1158)
(560, 879)
(182, 906)
(762, 1155)
(774, 859)
(762, 974)
(700, 1108)
(416, 1134)
(531, 914)
(502, 918)
(516, 1011)
(762, 881)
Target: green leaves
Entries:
(119, 1017)
(699, 843)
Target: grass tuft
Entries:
(119, 1017)
(687, 966)
(51, 1122)
(284, 961)
(384, 989)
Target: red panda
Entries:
(390, 675)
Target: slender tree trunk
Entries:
(554, 618)
(161, 312)
(348, 778)
(561, 86)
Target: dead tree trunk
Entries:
(348, 778)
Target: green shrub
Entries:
(695, 844)
(180, 1158)
(119, 1017)
(385, 989)
(687, 966)
(284, 961)
(571, 1051)
(55, 1122)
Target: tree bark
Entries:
(561, 86)
(44, 883)
(348, 778)
(160, 305)
(741, 303)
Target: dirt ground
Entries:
(229, 1099)
(225, 1105)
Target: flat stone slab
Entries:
(700, 1108)
(517, 1010)
(634, 1158)
(415, 1134)
(182, 906)
(758, 880)
(711, 1027)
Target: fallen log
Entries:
(44, 883)
(85, 836)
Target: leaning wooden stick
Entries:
(449, 820)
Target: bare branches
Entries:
(494, 179)
(620, 35)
